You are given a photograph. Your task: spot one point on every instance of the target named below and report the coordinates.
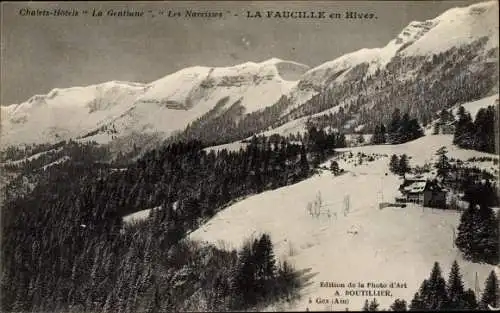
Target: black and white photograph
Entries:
(262, 156)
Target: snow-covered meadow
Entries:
(365, 244)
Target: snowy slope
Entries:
(137, 216)
(365, 245)
(458, 26)
(474, 106)
(455, 27)
(112, 109)
(66, 113)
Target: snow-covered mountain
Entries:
(442, 56)
(430, 65)
(454, 28)
(114, 109)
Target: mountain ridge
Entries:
(247, 93)
(181, 90)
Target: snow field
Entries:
(366, 245)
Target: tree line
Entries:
(437, 294)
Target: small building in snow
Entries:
(448, 128)
(422, 191)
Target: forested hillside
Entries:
(65, 246)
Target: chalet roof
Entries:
(419, 186)
(416, 187)
(419, 177)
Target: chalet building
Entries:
(422, 191)
(448, 128)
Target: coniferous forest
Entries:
(478, 134)
(66, 248)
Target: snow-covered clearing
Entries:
(474, 106)
(233, 146)
(137, 216)
(32, 157)
(365, 244)
(58, 161)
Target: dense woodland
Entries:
(478, 236)
(65, 247)
(480, 133)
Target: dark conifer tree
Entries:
(334, 167)
(486, 241)
(464, 240)
(442, 164)
(403, 166)
(434, 296)
(395, 121)
(399, 305)
(478, 229)
(376, 135)
(394, 164)
(416, 303)
(366, 306)
(304, 164)
(491, 294)
(414, 130)
(436, 128)
(455, 289)
(470, 300)
(373, 305)
(382, 133)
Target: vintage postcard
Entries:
(249, 156)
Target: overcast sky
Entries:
(41, 53)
